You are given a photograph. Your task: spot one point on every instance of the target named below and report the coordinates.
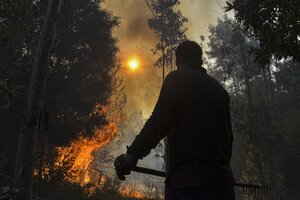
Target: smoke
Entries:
(141, 86)
(137, 39)
(201, 13)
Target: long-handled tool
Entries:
(149, 171)
(247, 188)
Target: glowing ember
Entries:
(133, 64)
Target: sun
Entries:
(133, 64)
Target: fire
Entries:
(78, 157)
(77, 160)
(133, 64)
(129, 191)
(79, 154)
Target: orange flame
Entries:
(79, 153)
(77, 157)
(130, 191)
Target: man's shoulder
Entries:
(180, 74)
(176, 75)
(212, 79)
(219, 85)
(178, 80)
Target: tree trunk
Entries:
(43, 157)
(247, 76)
(271, 93)
(23, 173)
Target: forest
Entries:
(63, 96)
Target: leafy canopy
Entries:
(275, 23)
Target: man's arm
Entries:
(165, 115)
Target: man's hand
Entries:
(123, 165)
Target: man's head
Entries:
(188, 52)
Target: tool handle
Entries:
(149, 171)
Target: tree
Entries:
(16, 35)
(229, 47)
(275, 23)
(287, 124)
(82, 75)
(18, 40)
(249, 87)
(4, 90)
(27, 139)
(168, 26)
(82, 71)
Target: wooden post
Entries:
(23, 173)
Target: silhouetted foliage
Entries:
(167, 23)
(265, 109)
(81, 73)
(275, 23)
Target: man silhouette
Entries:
(193, 111)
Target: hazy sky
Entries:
(136, 39)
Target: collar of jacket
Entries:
(193, 65)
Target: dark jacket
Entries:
(193, 110)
